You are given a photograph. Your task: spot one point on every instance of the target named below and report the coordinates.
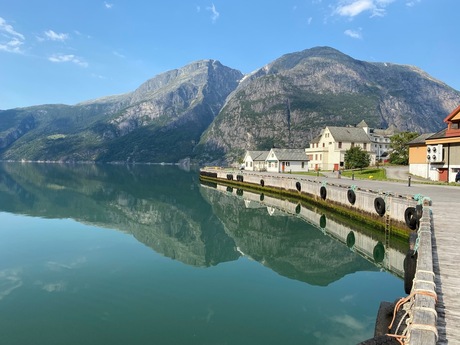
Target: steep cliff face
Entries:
(160, 121)
(287, 102)
(211, 112)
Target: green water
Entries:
(94, 254)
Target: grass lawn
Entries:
(373, 173)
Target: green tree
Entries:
(400, 151)
(356, 158)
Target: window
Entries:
(340, 144)
(303, 165)
(352, 144)
(316, 156)
(365, 146)
(323, 144)
(287, 164)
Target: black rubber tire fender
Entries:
(262, 182)
(351, 196)
(384, 318)
(410, 217)
(262, 197)
(298, 186)
(379, 205)
(323, 192)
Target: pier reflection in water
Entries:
(187, 264)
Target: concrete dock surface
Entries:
(445, 240)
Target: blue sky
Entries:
(60, 51)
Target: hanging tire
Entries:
(410, 265)
(351, 196)
(410, 217)
(379, 252)
(239, 192)
(262, 197)
(379, 205)
(298, 186)
(351, 239)
(229, 189)
(262, 183)
(229, 177)
(323, 192)
(322, 221)
(384, 318)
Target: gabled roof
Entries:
(317, 138)
(362, 124)
(349, 134)
(420, 139)
(258, 155)
(451, 116)
(290, 154)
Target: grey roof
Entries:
(362, 124)
(392, 130)
(258, 155)
(316, 139)
(420, 139)
(439, 135)
(290, 154)
(349, 134)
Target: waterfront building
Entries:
(287, 160)
(437, 156)
(327, 150)
(255, 160)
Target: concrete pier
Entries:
(435, 297)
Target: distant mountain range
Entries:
(213, 113)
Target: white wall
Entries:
(419, 170)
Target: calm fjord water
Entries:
(100, 254)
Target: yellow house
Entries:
(437, 156)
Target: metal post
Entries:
(408, 182)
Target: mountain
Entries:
(287, 102)
(213, 113)
(161, 121)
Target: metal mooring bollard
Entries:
(408, 182)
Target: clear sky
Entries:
(61, 51)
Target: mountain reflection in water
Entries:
(77, 265)
(168, 210)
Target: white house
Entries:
(287, 160)
(255, 160)
(327, 150)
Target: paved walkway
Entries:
(446, 244)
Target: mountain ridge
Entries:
(213, 113)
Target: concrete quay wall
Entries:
(395, 204)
